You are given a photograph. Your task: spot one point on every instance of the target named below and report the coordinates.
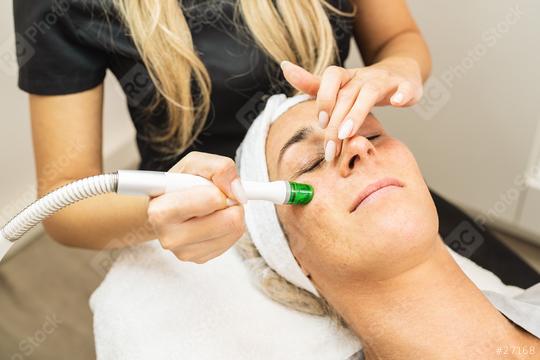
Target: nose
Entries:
(355, 152)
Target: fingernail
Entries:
(323, 119)
(231, 202)
(238, 191)
(283, 64)
(397, 98)
(345, 129)
(330, 150)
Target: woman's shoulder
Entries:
(53, 56)
(49, 17)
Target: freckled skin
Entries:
(377, 241)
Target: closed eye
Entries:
(315, 163)
(312, 165)
(373, 137)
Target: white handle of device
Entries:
(128, 182)
(154, 183)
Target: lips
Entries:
(370, 189)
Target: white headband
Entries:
(261, 217)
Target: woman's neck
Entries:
(432, 311)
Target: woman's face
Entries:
(332, 238)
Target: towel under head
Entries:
(261, 217)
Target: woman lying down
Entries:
(359, 272)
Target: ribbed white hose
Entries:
(56, 200)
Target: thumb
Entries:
(300, 78)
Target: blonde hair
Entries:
(298, 31)
(279, 289)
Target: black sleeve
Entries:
(51, 59)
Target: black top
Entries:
(66, 46)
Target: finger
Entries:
(369, 95)
(199, 229)
(403, 95)
(221, 170)
(333, 78)
(345, 100)
(418, 93)
(300, 78)
(202, 252)
(179, 206)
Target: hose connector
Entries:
(300, 194)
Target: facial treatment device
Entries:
(138, 182)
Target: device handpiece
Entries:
(138, 182)
(154, 183)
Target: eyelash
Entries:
(318, 161)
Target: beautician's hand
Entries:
(346, 96)
(197, 224)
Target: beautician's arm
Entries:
(67, 138)
(195, 225)
(385, 29)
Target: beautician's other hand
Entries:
(198, 224)
(346, 96)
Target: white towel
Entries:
(152, 306)
(260, 216)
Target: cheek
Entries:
(309, 229)
(402, 159)
(404, 164)
(400, 162)
(412, 174)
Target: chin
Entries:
(395, 235)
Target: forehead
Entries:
(300, 115)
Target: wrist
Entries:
(406, 66)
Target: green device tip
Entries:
(300, 194)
